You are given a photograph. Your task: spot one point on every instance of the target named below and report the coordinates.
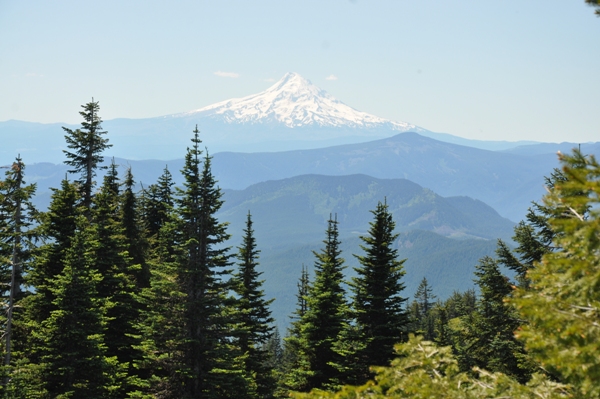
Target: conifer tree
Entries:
(73, 351)
(17, 216)
(134, 233)
(295, 368)
(490, 341)
(562, 303)
(213, 368)
(158, 203)
(254, 324)
(326, 312)
(377, 302)
(86, 146)
(57, 229)
(421, 311)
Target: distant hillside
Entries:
(296, 210)
(507, 182)
(290, 220)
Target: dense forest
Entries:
(117, 292)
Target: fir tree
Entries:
(158, 203)
(72, 341)
(561, 305)
(377, 303)
(213, 367)
(490, 341)
(134, 234)
(86, 145)
(17, 235)
(254, 325)
(117, 286)
(326, 312)
(295, 369)
(421, 313)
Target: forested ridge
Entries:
(116, 293)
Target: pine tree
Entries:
(421, 313)
(254, 325)
(326, 312)
(490, 341)
(162, 324)
(57, 228)
(17, 233)
(377, 302)
(214, 368)
(117, 287)
(295, 369)
(561, 305)
(86, 145)
(73, 350)
(134, 234)
(158, 203)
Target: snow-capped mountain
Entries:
(294, 102)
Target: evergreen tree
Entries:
(562, 304)
(295, 368)
(17, 233)
(421, 311)
(254, 324)
(134, 234)
(378, 305)
(213, 368)
(158, 203)
(162, 324)
(86, 145)
(73, 350)
(490, 341)
(117, 286)
(326, 312)
(57, 228)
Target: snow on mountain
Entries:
(294, 102)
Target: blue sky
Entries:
(502, 70)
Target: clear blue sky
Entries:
(493, 70)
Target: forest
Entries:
(120, 292)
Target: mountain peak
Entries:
(294, 102)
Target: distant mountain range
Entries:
(504, 180)
(450, 196)
(290, 115)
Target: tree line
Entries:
(113, 293)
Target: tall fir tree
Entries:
(18, 217)
(85, 149)
(72, 344)
(377, 302)
(294, 367)
(117, 286)
(213, 368)
(326, 313)
(254, 324)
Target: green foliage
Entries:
(72, 346)
(488, 332)
(254, 327)
(562, 304)
(594, 3)
(87, 145)
(422, 370)
(377, 303)
(421, 311)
